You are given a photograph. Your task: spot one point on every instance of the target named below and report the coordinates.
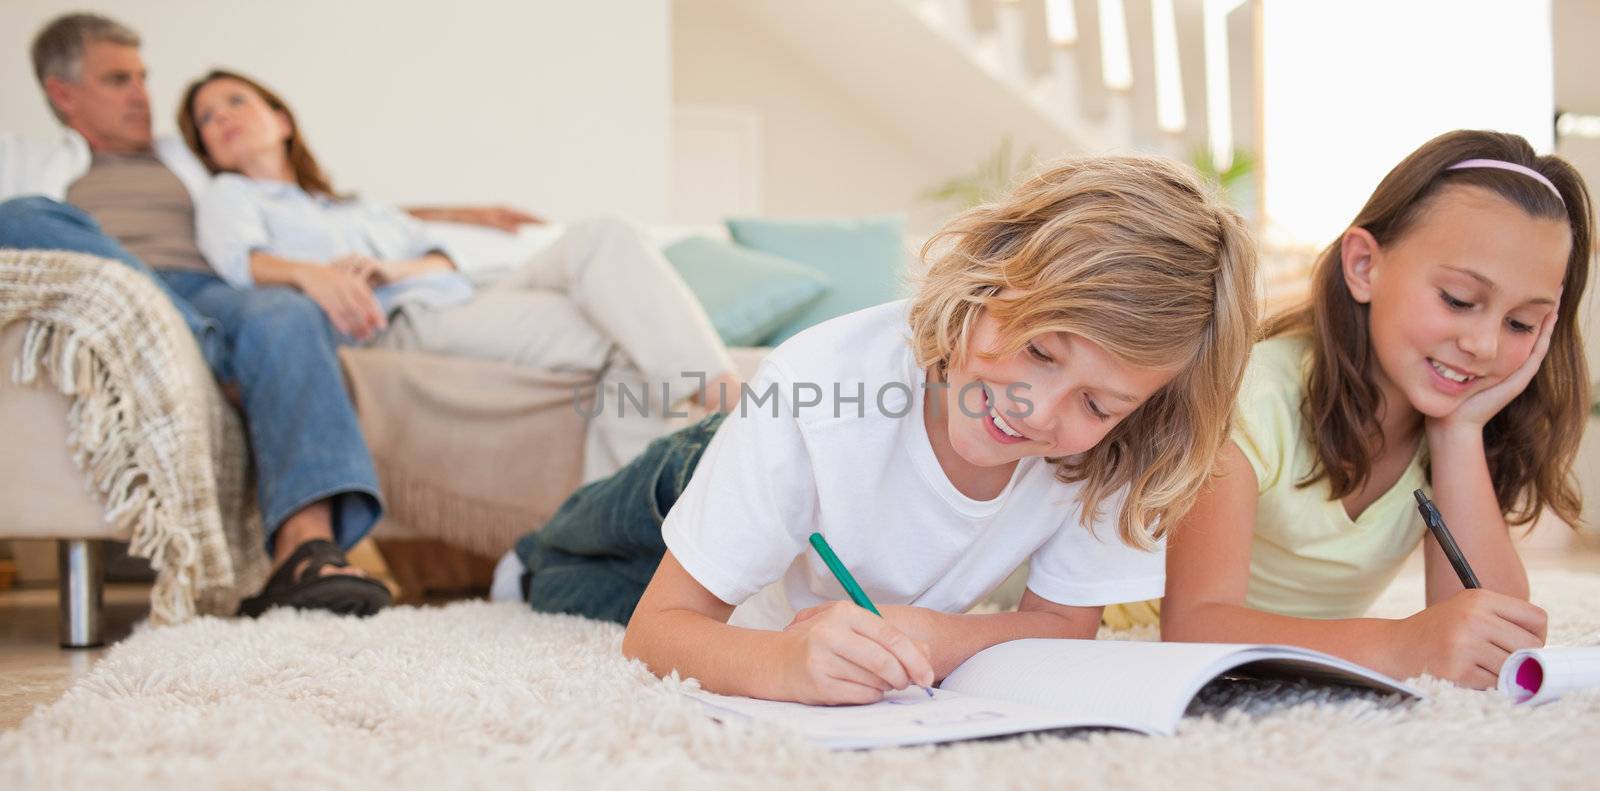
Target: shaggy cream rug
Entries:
(489, 695)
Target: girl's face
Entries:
(1456, 303)
(1057, 396)
(235, 123)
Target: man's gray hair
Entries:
(58, 47)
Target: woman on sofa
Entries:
(271, 217)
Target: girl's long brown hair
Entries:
(307, 173)
(1532, 442)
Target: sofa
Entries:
(469, 453)
(442, 431)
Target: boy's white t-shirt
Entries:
(862, 472)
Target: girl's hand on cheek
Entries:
(839, 653)
(1483, 405)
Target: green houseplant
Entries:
(990, 179)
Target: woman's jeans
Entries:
(597, 554)
(280, 350)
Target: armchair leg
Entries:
(82, 580)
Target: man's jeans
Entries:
(277, 346)
(36, 223)
(597, 554)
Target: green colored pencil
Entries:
(851, 587)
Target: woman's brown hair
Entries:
(1532, 442)
(307, 173)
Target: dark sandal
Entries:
(344, 594)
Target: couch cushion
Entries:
(863, 259)
(747, 293)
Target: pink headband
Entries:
(1514, 168)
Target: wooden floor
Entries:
(34, 671)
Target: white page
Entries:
(1107, 680)
(1141, 685)
(901, 718)
(1043, 684)
(1015, 687)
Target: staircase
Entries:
(1057, 76)
(861, 107)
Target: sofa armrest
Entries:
(43, 492)
(163, 452)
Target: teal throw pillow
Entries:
(864, 260)
(748, 294)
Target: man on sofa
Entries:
(111, 189)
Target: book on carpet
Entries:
(1025, 686)
(1540, 675)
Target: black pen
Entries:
(1447, 542)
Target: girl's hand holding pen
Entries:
(1466, 638)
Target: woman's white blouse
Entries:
(238, 215)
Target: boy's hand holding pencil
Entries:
(924, 627)
(841, 653)
(846, 652)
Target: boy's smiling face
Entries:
(1059, 395)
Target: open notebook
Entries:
(1038, 685)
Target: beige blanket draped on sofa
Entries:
(470, 452)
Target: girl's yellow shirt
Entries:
(1308, 558)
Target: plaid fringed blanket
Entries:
(148, 425)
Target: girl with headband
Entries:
(1438, 350)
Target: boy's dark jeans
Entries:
(597, 554)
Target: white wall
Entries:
(1350, 88)
(823, 153)
(560, 107)
(1577, 61)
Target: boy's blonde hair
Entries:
(1134, 254)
